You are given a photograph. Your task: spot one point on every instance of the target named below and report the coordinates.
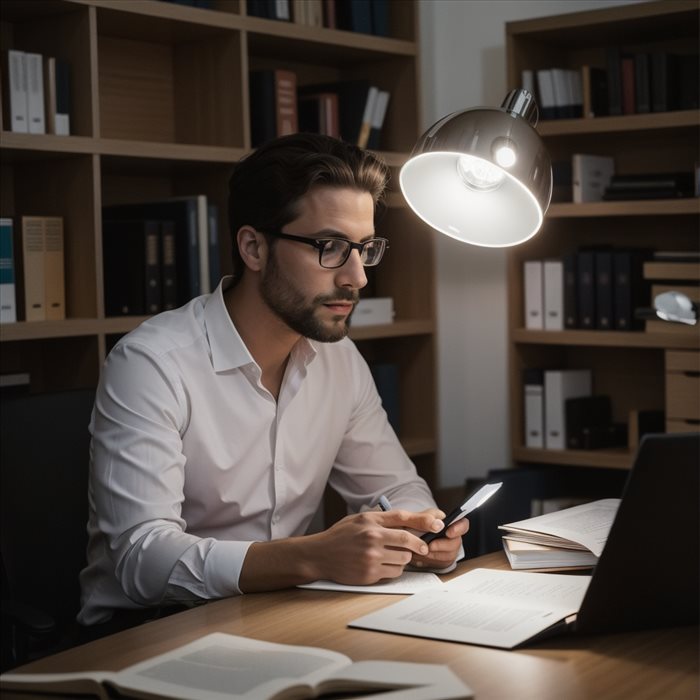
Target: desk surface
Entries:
(654, 664)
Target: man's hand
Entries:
(443, 550)
(358, 550)
(367, 547)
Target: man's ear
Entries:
(253, 248)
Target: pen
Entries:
(384, 503)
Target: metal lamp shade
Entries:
(459, 182)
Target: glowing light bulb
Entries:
(505, 157)
(479, 174)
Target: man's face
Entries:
(314, 301)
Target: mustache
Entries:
(341, 295)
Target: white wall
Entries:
(464, 65)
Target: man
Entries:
(217, 425)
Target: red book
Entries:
(628, 92)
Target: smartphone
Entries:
(479, 497)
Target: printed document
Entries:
(484, 606)
(582, 527)
(408, 583)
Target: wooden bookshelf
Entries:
(628, 366)
(161, 108)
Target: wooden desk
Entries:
(653, 665)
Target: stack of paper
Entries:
(567, 539)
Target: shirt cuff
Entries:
(222, 568)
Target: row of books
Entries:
(353, 110)
(169, 248)
(39, 92)
(629, 83)
(587, 289)
(592, 178)
(364, 16)
(561, 412)
(156, 256)
(32, 274)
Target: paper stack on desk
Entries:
(572, 538)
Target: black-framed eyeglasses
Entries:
(334, 252)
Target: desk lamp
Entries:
(482, 176)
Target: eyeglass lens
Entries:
(337, 251)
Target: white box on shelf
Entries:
(373, 312)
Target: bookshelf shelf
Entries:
(637, 122)
(611, 459)
(161, 109)
(670, 340)
(660, 207)
(628, 366)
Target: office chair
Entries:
(44, 457)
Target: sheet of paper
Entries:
(588, 524)
(408, 583)
(493, 608)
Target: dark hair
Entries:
(266, 185)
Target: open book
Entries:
(573, 537)
(484, 606)
(219, 666)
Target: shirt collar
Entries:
(228, 351)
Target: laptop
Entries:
(648, 573)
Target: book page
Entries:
(408, 681)
(493, 608)
(588, 524)
(222, 666)
(215, 667)
(408, 583)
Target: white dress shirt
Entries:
(192, 459)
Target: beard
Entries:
(289, 304)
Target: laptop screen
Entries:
(647, 575)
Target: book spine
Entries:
(534, 290)
(168, 265)
(287, 116)
(603, 290)
(8, 296)
(627, 78)
(553, 274)
(533, 389)
(380, 17)
(614, 74)
(33, 268)
(50, 93)
(152, 285)
(560, 385)
(585, 274)
(63, 98)
(380, 107)
(17, 84)
(631, 290)
(214, 247)
(203, 243)
(545, 88)
(570, 293)
(642, 83)
(35, 93)
(366, 126)
(54, 274)
(193, 264)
